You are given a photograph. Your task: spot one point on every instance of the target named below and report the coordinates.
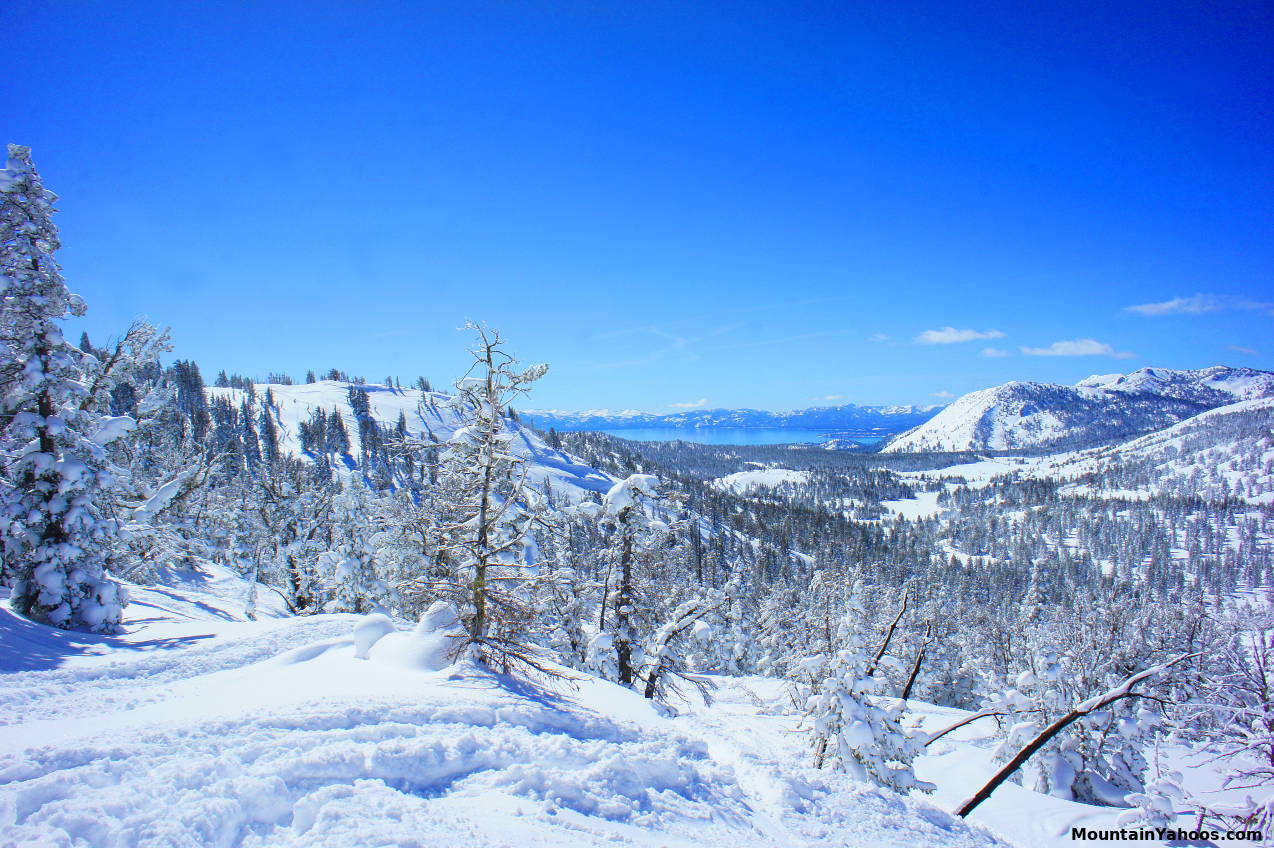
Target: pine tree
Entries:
(191, 397)
(488, 509)
(625, 512)
(350, 566)
(850, 732)
(336, 436)
(55, 537)
(269, 434)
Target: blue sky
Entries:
(748, 204)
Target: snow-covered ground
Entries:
(974, 474)
(197, 727)
(1227, 452)
(746, 481)
(923, 505)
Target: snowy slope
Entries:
(1227, 452)
(1099, 409)
(198, 728)
(428, 415)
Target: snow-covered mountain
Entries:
(1095, 411)
(428, 415)
(885, 419)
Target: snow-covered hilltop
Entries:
(884, 419)
(428, 416)
(1213, 386)
(1097, 410)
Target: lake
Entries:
(733, 435)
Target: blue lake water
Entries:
(732, 435)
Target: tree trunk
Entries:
(479, 629)
(623, 609)
(920, 658)
(889, 635)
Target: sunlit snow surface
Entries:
(197, 728)
(742, 482)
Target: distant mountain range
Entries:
(860, 420)
(1099, 410)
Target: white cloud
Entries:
(1200, 304)
(1238, 349)
(878, 337)
(941, 394)
(829, 397)
(950, 335)
(1196, 305)
(994, 352)
(692, 404)
(1078, 347)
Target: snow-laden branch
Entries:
(1110, 696)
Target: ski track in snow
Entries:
(126, 683)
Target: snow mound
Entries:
(432, 646)
(369, 631)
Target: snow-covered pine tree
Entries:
(166, 470)
(118, 376)
(1232, 717)
(1099, 760)
(668, 650)
(55, 538)
(350, 567)
(636, 534)
(651, 618)
(851, 733)
(568, 596)
(487, 507)
(291, 502)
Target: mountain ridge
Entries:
(1097, 410)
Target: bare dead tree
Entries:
(920, 658)
(889, 635)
